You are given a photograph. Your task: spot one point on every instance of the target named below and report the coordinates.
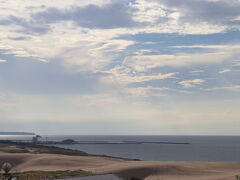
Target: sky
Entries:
(120, 67)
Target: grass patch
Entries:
(40, 175)
(19, 147)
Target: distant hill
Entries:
(16, 133)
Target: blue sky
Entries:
(120, 67)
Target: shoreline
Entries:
(51, 149)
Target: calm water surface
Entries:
(201, 148)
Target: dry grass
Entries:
(40, 175)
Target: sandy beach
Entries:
(32, 160)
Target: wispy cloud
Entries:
(3, 60)
(19, 52)
(147, 62)
(125, 76)
(191, 83)
(197, 71)
(147, 91)
(229, 88)
(225, 71)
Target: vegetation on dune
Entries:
(15, 147)
(40, 175)
(20, 147)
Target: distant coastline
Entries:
(16, 133)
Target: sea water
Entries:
(200, 148)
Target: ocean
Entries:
(200, 148)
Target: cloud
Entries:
(146, 62)
(93, 56)
(236, 64)
(229, 88)
(146, 91)
(3, 60)
(140, 16)
(124, 76)
(165, 16)
(19, 53)
(191, 83)
(27, 26)
(145, 51)
(220, 12)
(112, 15)
(149, 11)
(197, 71)
(224, 71)
(234, 46)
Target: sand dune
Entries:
(148, 170)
